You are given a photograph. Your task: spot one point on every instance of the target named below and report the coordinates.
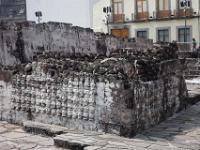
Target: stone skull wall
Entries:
(92, 100)
(59, 74)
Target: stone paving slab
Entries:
(193, 86)
(180, 132)
(13, 137)
(44, 129)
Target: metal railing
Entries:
(185, 46)
(178, 13)
(137, 17)
(116, 18)
(162, 14)
(181, 13)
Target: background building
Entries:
(13, 10)
(69, 11)
(160, 20)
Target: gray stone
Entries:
(41, 128)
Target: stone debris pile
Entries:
(23, 41)
(141, 64)
(157, 52)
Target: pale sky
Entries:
(77, 12)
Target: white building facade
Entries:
(160, 20)
(76, 12)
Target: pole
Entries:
(199, 23)
(107, 10)
(185, 29)
(39, 19)
(108, 23)
(198, 31)
(185, 39)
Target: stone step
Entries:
(70, 142)
(44, 129)
(92, 141)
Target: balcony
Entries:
(163, 14)
(156, 15)
(184, 47)
(140, 16)
(181, 13)
(118, 18)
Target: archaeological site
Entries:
(59, 74)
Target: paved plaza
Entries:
(181, 132)
(13, 137)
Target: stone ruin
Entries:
(55, 73)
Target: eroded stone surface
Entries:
(72, 77)
(97, 95)
(12, 137)
(44, 129)
(181, 132)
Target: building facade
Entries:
(160, 20)
(13, 10)
(52, 10)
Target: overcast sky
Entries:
(77, 12)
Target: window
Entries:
(163, 4)
(141, 6)
(142, 34)
(142, 10)
(117, 7)
(163, 8)
(184, 34)
(118, 11)
(163, 35)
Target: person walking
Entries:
(194, 45)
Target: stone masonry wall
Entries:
(88, 100)
(20, 42)
(192, 67)
(59, 74)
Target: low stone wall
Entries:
(191, 67)
(93, 99)
(21, 42)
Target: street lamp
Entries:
(38, 14)
(107, 11)
(185, 4)
(199, 23)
